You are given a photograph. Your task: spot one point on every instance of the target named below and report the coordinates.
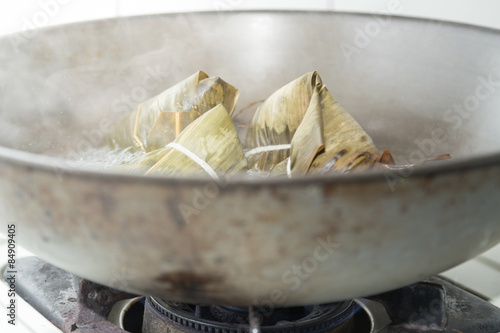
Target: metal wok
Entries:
(420, 88)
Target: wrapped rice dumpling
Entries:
(209, 145)
(329, 139)
(159, 120)
(301, 129)
(276, 121)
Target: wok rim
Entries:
(431, 169)
(59, 168)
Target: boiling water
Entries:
(102, 158)
(105, 158)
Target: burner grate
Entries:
(179, 317)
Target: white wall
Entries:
(478, 12)
(26, 14)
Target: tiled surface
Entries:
(28, 320)
(496, 301)
(481, 274)
(493, 254)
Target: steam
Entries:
(62, 90)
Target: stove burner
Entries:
(166, 316)
(77, 305)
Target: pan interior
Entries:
(419, 88)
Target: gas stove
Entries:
(77, 305)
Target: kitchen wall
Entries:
(31, 14)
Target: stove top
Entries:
(76, 305)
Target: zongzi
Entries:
(301, 129)
(209, 145)
(159, 120)
(276, 120)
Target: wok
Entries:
(419, 88)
